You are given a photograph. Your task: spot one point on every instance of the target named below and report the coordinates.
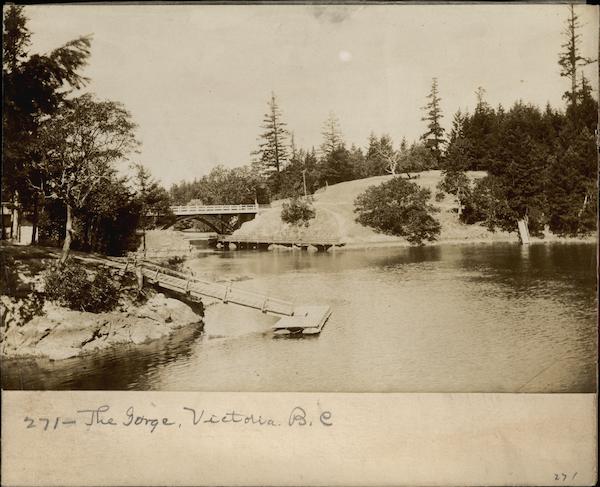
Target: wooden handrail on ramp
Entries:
(305, 320)
(186, 284)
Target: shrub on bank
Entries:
(71, 287)
(176, 262)
(298, 211)
(398, 207)
(20, 310)
(19, 301)
(9, 277)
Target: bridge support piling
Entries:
(139, 275)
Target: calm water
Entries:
(476, 318)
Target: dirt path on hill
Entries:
(342, 231)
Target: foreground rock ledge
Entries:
(61, 333)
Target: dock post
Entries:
(139, 275)
(227, 290)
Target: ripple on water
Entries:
(445, 318)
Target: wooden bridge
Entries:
(220, 218)
(302, 319)
(190, 210)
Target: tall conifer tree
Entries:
(273, 152)
(332, 136)
(434, 137)
(570, 58)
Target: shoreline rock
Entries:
(60, 333)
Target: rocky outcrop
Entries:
(62, 333)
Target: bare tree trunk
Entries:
(585, 202)
(36, 216)
(16, 228)
(86, 234)
(12, 218)
(580, 212)
(68, 236)
(143, 220)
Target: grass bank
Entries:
(335, 218)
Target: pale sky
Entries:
(197, 78)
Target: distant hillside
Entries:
(335, 215)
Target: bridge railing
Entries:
(198, 209)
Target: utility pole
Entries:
(304, 181)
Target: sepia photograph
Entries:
(309, 198)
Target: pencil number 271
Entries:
(563, 477)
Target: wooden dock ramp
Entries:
(308, 320)
(188, 285)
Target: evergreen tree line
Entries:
(60, 150)
(541, 165)
(282, 170)
(288, 171)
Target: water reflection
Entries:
(123, 367)
(459, 318)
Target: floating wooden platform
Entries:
(306, 320)
(258, 242)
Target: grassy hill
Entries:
(335, 216)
